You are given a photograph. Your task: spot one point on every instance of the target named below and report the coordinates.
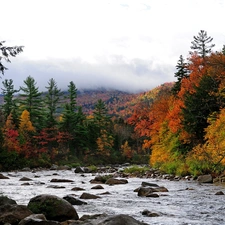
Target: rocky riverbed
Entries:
(146, 199)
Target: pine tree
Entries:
(31, 100)
(103, 125)
(223, 50)
(52, 100)
(202, 44)
(198, 106)
(9, 100)
(73, 121)
(70, 108)
(182, 72)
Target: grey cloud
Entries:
(136, 76)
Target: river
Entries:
(186, 203)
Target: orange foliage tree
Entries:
(10, 135)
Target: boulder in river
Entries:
(53, 207)
(207, 178)
(120, 220)
(74, 201)
(88, 196)
(3, 177)
(37, 219)
(61, 180)
(6, 200)
(25, 179)
(103, 219)
(113, 181)
(13, 214)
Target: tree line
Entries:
(183, 127)
(178, 127)
(41, 128)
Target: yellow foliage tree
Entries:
(105, 143)
(25, 123)
(126, 150)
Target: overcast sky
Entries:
(130, 45)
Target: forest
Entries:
(177, 127)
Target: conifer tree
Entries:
(52, 100)
(223, 50)
(202, 44)
(9, 100)
(182, 72)
(31, 100)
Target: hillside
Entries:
(118, 103)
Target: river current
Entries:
(186, 203)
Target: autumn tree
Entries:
(10, 135)
(202, 44)
(6, 53)
(26, 130)
(31, 100)
(52, 100)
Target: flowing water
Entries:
(187, 202)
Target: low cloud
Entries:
(134, 76)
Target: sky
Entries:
(129, 45)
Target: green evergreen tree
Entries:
(182, 72)
(31, 100)
(73, 121)
(103, 126)
(202, 44)
(6, 52)
(198, 107)
(9, 98)
(101, 119)
(52, 100)
(223, 50)
(70, 108)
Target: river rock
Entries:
(13, 214)
(113, 181)
(219, 193)
(3, 177)
(88, 196)
(25, 179)
(74, 201)
(79, 169)
(144, 191)
(207, 178)
(97, 187)
(77, 189)
(100, 179)
(37, 219)
(53, 207)
(120, 220)
(61, 180)
(147, 184)
(5, 200)
(103, 219)
(152, 195)
(148, 213)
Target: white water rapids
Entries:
(186, 203)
